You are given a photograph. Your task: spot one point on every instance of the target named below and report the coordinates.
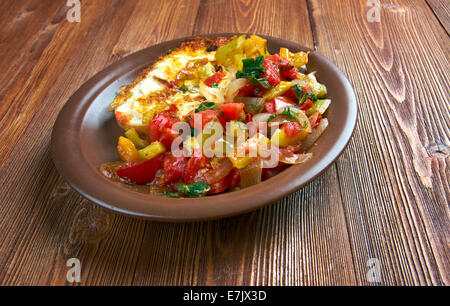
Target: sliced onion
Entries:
(233, 88)
(252, 105)
(261, 118)
(277, 121)
(312, 138)
(251, 175)
(294, 159)
(212, 94)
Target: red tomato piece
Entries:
(235, 178)
(160, 129)
(173, 168)
(306, 105)
(233, 111)
(205, 117)
(192, 172)
(272, 73)
(141, 172)
(292, 128)
(215, 78)
(290, 74)
(315, 119)
(272, 105)
(271, 66)
(247, 90)
(291, 93)
(219, 186)
(269, 172)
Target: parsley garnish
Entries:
(303, 96)
(195, 190)
(252, 69)
(288, 114)
(170, 50)
(215, 85)
(205, 106)
(271, 118)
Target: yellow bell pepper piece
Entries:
(279, 138)
(225, 54)
(132, 135)
(126, 150)
(152, 150)
(241, 162)
(278, 90)
(297, 59)
(261, 44)
(284, 52)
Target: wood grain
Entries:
(401, 215)
(386, 197)
(442, 11)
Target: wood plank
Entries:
(394, 177)
(441, 9)
(60, 223)
(279, 245)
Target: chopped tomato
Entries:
(272, 105)
(195, 168)
(291, 93)
(141, 172)
(235, 178)
(230, 181)
(205, 116)
(269, 172)
(292, 128)
(233, 111)
(306, 105)
(271, 66)
(248, 118)
(173, 168)
(290, 74)
(315, 119)
(272, 73)
(160, 129)
(247, 90)
(215, 78)
(219, 186)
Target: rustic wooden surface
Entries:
(386, 197)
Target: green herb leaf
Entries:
(271, 118)
(252, 68)
(303, 96)
(170, 50)
(195, 190)
(288, 114)
(215, 85)
(205, 106)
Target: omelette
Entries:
(172, 79)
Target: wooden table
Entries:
(386, 198)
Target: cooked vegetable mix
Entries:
(217, 115)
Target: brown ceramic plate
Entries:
(85, 135)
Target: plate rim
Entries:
(198, 209)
